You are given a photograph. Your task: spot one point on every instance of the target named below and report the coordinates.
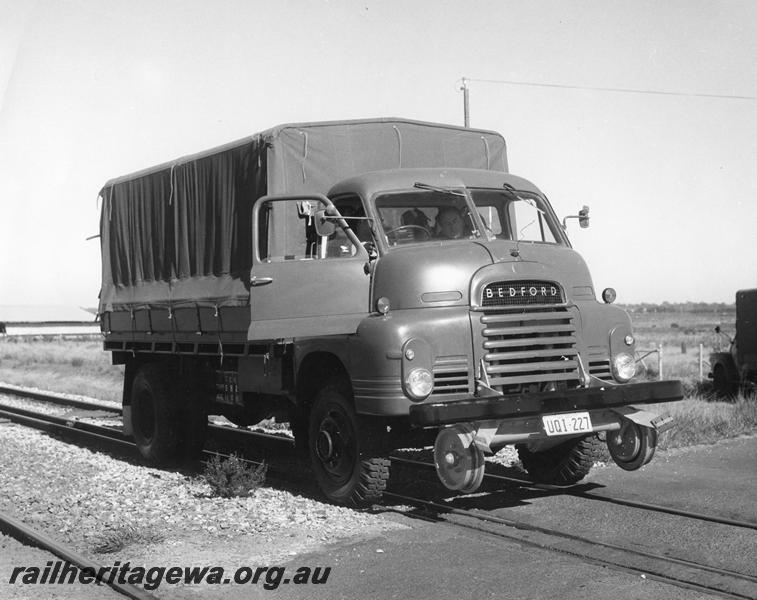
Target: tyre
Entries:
(155, 415)
(723, 386)
(340, 443)
(564, 464)
(169, 413)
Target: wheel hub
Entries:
(324, 446)
(625, 443)
(459, 462)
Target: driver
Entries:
(449, 223)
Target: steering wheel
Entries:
(392, 234)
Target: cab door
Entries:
(304, 284)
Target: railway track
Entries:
(577, 492)
(75, 425)
(31, 537)
(656, 565)
(667, 569)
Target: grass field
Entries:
(680, 334)
(82, 367)
(72, 366)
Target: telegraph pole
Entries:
(466, 105)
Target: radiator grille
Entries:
(451, 375)
(529, 347)
(600, 368)
(520, 293)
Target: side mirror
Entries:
(323, 226)
(582, 216)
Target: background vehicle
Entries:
(306, 273)
(737, 368)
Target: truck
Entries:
(737, 369)
(377, 284)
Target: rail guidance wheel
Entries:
(338, 444)
(632, 446)
(154, 414)
(459, 462)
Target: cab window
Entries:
(520, 216)
(422, 216)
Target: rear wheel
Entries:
(340, 445)
(169, 415)
(564, 464)
(154, 414)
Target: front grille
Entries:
(527, 347)
(520, 293)
(600, 368)
(451, 375)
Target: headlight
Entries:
(623, 366)
(419, 383)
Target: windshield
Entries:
(516, 215)
(411, 217)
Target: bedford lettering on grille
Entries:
(504, 293)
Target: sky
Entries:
(94, 89)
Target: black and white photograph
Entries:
(339, 299)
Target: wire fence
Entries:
(643, 353)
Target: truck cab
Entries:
(451, 299)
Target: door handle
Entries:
(260, 280)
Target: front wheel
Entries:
(564, 464)
(339, 443)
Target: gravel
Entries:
(15, 554)
(98, 504)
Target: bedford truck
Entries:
(377, 284)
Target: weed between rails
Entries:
(232, 477)
(121, 536)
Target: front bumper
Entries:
(529, 405)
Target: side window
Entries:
(529, 222)
(286, 231)
(351, 208)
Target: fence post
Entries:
(659, 362)
(701, 362)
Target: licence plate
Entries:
(567, 423)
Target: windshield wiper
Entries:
(434, 188)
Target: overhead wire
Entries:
(608, 89)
